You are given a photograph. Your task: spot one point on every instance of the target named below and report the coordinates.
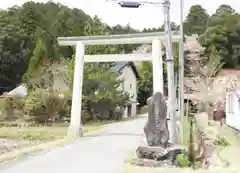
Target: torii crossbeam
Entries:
(75, 127)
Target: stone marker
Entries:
(156, 129)
(157, 134)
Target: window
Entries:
(130, 85)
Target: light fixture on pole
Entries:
(126, 4)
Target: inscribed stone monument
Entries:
(156, 129)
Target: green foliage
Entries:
(225, 9)
(36, 60)
(191, 149)
(196, 22)
(11, 105)
(197, 164)
(53, 102)
(42, 105)
(221, 141)
(183, 161)
(29, 36)
(219, 33)
(221, 37)
(101, 88)
(145, 85)
(33, 107)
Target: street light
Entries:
(169, 59)
(125, 4)
(134, 4)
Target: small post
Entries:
(75, 128)
(157, 65)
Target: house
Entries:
(130, 76)
(232, 100)
(233, 109)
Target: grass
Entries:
(52, 137)
(45, 133)
(137, 169)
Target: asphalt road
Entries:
(104, 152)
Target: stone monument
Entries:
(156, 132)
(156, 129)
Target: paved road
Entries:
(104, 152)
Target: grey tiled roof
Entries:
(119, 66)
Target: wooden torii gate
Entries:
(75, 127)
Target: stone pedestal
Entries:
(151, 152)
(159, 153)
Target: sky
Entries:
(147, 16)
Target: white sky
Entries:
(144, 17)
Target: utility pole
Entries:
(170, 74)
(181, 73)
(170, 63)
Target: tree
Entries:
(201, 79)
(101, 89)
(224, 8)
(145, 85)
(196, 22)
(223, 35)
(21, 28)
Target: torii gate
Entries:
(75, 127)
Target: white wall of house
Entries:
(233, 110)
(130, 86)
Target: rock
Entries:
(151, 152)
(156, 129)
(158, 153)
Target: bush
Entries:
(13, 107)
(53, 103)
(34, 109)
(188, 159)
(44, 105)
(221, 141)
(183, 161)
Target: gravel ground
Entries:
(7, 145)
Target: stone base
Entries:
(158, 153)
(150, 163)
(151, 152)
(74, 131)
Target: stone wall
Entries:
(204, 139)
